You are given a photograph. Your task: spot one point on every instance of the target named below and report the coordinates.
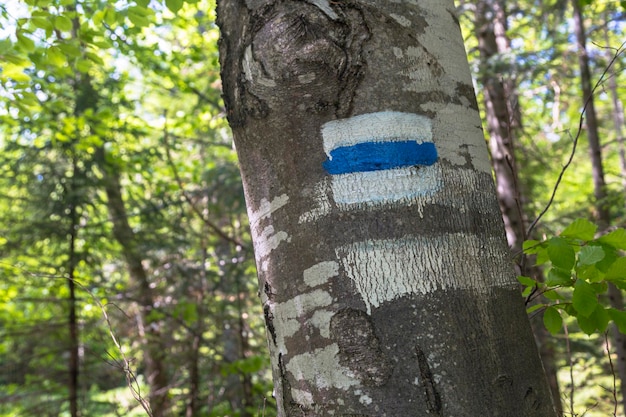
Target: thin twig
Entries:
(131, 379)
(581, 121)
(188, 199)
(571, 369)
(614, 389)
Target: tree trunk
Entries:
(503, 118)
(502, 115)
(603, 216)
(383, 267)
(618, 107)
(74, 362)
(595, 148)
(154, 353)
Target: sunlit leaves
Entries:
(580, 268)
(140, 16)
(174, 5)
(581, 229)
(63, 23)
(55, 56)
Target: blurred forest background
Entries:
(127, 278)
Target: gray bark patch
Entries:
(359, 347)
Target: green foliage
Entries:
(580, 269)
(130, 88)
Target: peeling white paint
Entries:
(268, 240)
(387, 125)
(320, 273)
(302, 397)
(266, 208)
(365, 400)
(290, 312)
(321, 320)
(459, 188)
(322, 366)
(391, 185)
(322, 204)
(383, 270)
(394, 185)
(401, 20)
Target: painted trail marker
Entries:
(381, 157)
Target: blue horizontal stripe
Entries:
(377, 156)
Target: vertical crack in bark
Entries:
(268, 299)
(269, 322)
(433, 399)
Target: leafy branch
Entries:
(579, 270)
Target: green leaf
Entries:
(589, 273)
(25, 42)
(139, 16)
(535, 308)
(174, 5)
(14, 72)
(530, 246)
(553, 295)
(600, 318)
(94, 57)
(584, 298)
(110, 16)
(580, 229)
(98, 17)
(561, 253)
(41, 22)
(17, 60)
(586, 324)
(557, 277)
(617, 239)
(619, 318)
(527, 281)
(63, 23)
(552, 320)
(70, 49)
(55, 56)
(617, 271)
(83, 65)
(590, 255)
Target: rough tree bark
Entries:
(382, 261)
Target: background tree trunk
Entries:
(503, 120)
(154, 351)
(382, 265)
(602, 213)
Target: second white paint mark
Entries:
(383, 270)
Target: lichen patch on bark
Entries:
(320, 273)
(322, 368)
(293, 313)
